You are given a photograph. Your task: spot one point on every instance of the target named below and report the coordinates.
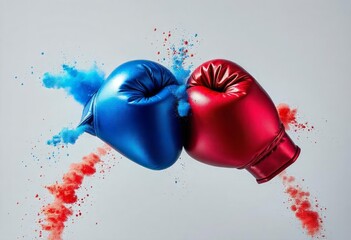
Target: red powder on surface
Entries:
(301, 205)
(288, 116)
(57, 212)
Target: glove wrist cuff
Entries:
(283, 155)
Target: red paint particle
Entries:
(155, 29)
(302, 207)
(288, 117)
(186, 42)
(57, 212)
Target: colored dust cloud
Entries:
(305, 209)
(57, 213)
(288, 117)
(66, 136)
(80, 84)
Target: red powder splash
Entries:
(288, 117)
(57, 212)
(303, 207)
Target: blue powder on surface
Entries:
(79, 84)
(67, 136)
(183, 104)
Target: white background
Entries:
(299, 51)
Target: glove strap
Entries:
(282, 155)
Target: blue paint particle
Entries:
(42, 53)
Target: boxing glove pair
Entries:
(232, 121)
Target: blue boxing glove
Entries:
(135, 112)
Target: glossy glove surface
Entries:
(134, 111)
(234, 123)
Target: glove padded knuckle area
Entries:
(221, 76)
(143, 80)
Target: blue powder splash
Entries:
(178, 59)
(182, 74)
(79, 84)
(67, 136)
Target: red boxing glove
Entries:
(234, 123)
